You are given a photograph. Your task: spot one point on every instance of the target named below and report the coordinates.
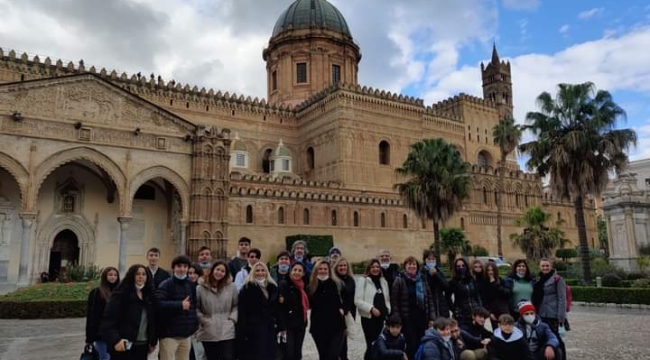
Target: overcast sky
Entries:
(430, 49)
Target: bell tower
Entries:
(497, 83)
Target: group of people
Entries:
(244, 309)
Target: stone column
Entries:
(124, 242)
(23, 269)
(182, 242)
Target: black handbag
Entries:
(89, 353)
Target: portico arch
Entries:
(18, 171)
(61, 158)
(167, 174)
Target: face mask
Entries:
(261, 282)
(446, 338)
(180, 277)
(139, 287)
(529, 319)
(431, 264)
(384, 266)
(462, 271)
(322, 277)
(205, 265)
(520, 276)
(298, 258)
(283, 268)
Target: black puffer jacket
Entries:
(173, 320)
(122, 315)
(94, 313)
(496, 297)
(161, 275)
(439, 287)
(399, 300)
(290, 312)
(389, 347)
(350, 288)
(256, 321)
(466, 296)
(325, 303)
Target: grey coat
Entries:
(553, 304)
(217, 312)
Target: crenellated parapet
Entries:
(152, 87)
(452, 106)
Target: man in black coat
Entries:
(178, 320)
(157, 274)
(388, 270)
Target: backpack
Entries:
(569, 295)
(420, 353)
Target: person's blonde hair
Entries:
(313, 279)
(251, 274)
(336, 264)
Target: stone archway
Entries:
(55, 225)
(63, 253)
(167, 174)
(19, 173)
(61, 158)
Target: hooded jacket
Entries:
(435, 347)
(542, 332)
(513, 347)
(389, 347)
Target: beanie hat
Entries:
(526, 306)
(334, 249)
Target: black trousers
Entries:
(371, 329)
(329, 345)
(219, 350)
(413, 330)
(292, 349)
(555, 328)
(137, 352)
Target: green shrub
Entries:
(359, 267)
(599, 267)
(634, 275)
(478, 250)
(644, 250)
(612, 280)
(565, 254)
(574, 282)
(81, 273)
(560, 265)
(43, 309)
(641, 283)
(611, 295)
(318, 245)
(51, 291)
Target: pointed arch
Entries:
(165, 173)
(19, 173)
(47, 166)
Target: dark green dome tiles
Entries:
(306, 14)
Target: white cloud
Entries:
(523, 30)
(564, 29)
(588, 14)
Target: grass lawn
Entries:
(51, 291)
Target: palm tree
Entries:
(537, 240)
(507, 135)
(454, 242)
(438, 181)
(577, 146)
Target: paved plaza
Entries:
(598, 333)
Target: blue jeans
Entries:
(102, 350)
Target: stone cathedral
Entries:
(97, 166)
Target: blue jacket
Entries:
(435, 347)
(173, 320)
(545, 336)
(388, 347)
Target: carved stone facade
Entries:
(150, 168)
(627, 213)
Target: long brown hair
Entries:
(211, 282)
(313, 280)
(106, 288)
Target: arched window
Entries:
(424, 224)
(526, 200)
(517, 201)
(384, 153)
(355, 219)
(334, 219)
(382, 220)
(266, 161)
(310, 158)
(462, 224)
(249, 214)
(305, 217)
(405, 221)
(485, 196)
(281, 215)
(496, 197)
(483, 159)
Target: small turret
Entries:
(497, 84)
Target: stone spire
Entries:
(495, 55)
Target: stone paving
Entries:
(598, 333)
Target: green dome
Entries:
(306, 14)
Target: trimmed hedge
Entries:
(54, 309)
(318, 245)
(611, 295)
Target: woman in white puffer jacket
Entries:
(373, 303)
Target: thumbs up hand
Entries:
(186, 304)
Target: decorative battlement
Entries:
(266, 186)
(139, 84)
(444, 105)
(510, 174)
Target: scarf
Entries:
(376, 280)
(419, 288)
(538, 289)
(300, 284)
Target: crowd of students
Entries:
(242, 309)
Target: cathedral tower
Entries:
(311, 48)
(497, 83)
